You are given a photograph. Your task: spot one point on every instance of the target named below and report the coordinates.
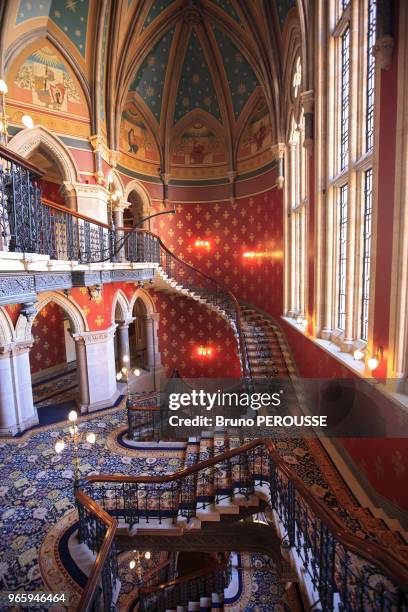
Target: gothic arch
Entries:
(142, 193)
(146, 299)
(28, 140)
(71, 308)
(120, 300)
(6, 328)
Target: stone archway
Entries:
(6, 329)
(139, 202)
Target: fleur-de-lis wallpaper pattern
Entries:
(250, 224)
(48, 349)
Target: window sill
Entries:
(357, 367)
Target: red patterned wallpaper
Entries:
(49, 344)
(185, 326)
(249, 224)
(51, 191)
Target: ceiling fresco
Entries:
(196, 88)
(149, 79)
(157, 7)
(241, 78)
(71, 16)
(227, 6)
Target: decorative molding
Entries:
(132, 275)
(48, 281)
(17, 288)
(95, 337)
(87, 278)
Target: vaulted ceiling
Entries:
(170, 82)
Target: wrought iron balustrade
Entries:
(97, 530)
(190, 588)
(347, 572)
(144, 417)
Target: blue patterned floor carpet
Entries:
(37, 488)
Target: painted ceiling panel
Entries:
(228, 7)
(157, 7)
(149, 80)
(69, 15)
(196, 88)
(241, 78)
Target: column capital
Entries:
(94, 337)
(152, 316)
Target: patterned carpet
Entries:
(37, 488)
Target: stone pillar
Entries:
(278, 151)
(17, 411)
(118, 211)
(90, 200)
(153, 357)
(82, 372)
(123, 333)
(307, 101)
(98, 371)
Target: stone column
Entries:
(123, 333)
(82, 373)
(118, 211)
(153, 357)
(91, 200)
(17, 411)
(98, 373)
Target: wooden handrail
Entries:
(208, 569)
(155, 570)
(73, 213)
(6, 153)
(94, 578)
(176, 475)
(389, 563)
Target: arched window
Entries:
(296, 199)
(349, 198)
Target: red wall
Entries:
(49, 344)
(184, 326)
(249, 224)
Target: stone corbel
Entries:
(101, 152)
(278, 152)
(307, 101)
(165, 177)
(382, 51)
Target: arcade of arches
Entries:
(206, 189)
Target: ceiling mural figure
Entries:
(196, 88)
(44, 80)
(257, 135)
(136, 139)
(198, 145)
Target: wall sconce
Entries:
(205, 351)
(202, 244)
(95, 293)
(358, 354)
(374, 361)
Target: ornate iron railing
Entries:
(345, 571)
(190, 588)
(144, 417)
(97, 530)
